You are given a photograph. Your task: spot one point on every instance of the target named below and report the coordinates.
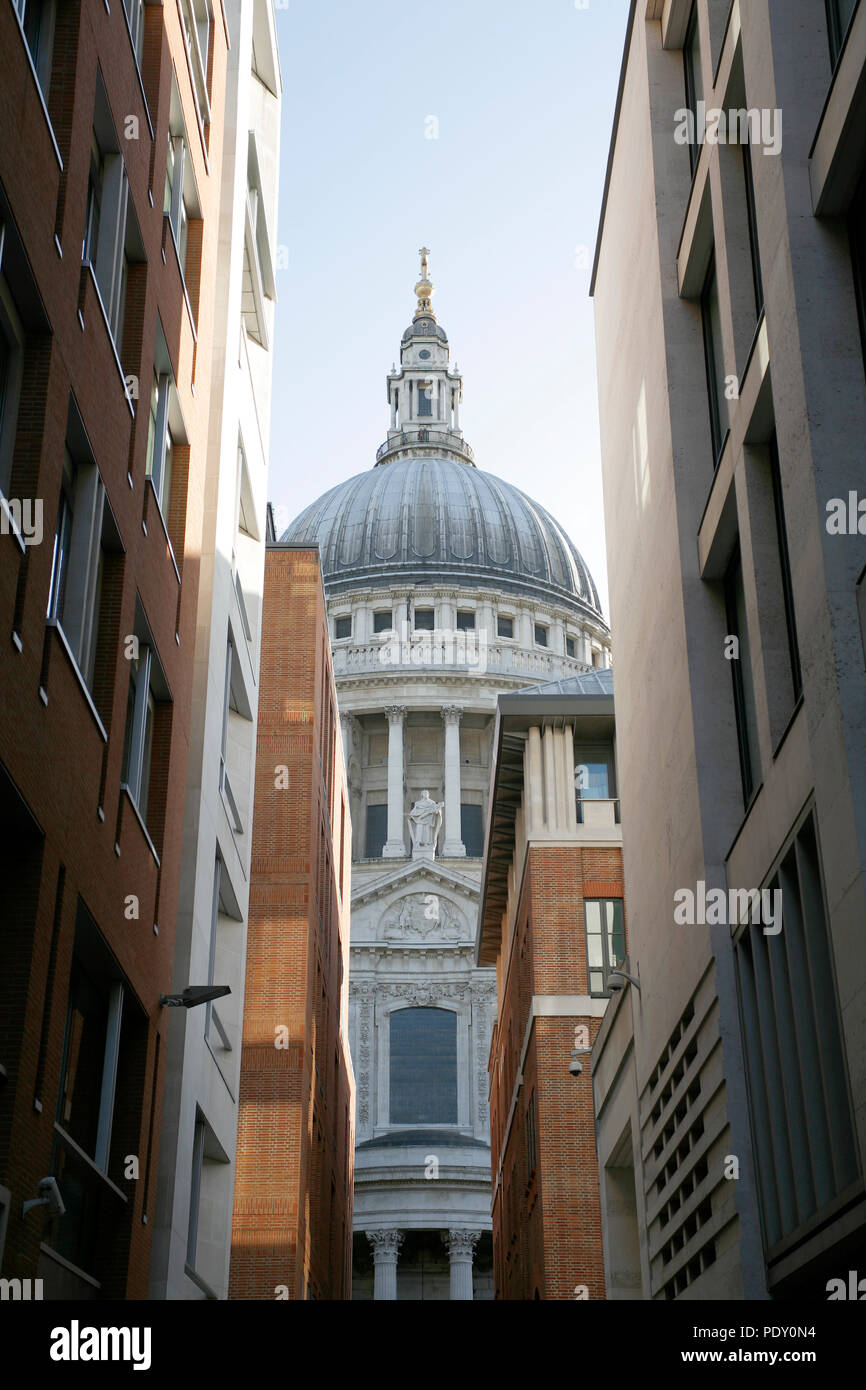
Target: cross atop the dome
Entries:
(424, 287)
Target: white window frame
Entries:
(134, 11)
(197, 19)
(43, 57)
(75, 588)
(149, 690)
(118, 241)
(158, 450)
(143, 705)
(181, 203)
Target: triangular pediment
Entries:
(416, 871)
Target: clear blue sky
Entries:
(524, 94)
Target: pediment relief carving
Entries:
(423, 917)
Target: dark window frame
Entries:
(857, 242)
(718, 428)
(785, 569)
(607, 964)
(837, 28)
(752, 220)
(471, 841)
(433, 1095)
(750, 775)
(372, 830)
(692, 51)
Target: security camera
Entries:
(575, 1066)
(49, 1196)
(49, 1190)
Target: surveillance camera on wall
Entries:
(49, 1190)
(615, 980)
(575, 1066)
(49, 1196)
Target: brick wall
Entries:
(60, 754)
(547, 1218)
(292, 1219)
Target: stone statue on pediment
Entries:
(425, 820)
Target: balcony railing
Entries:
(428, 651)
(597, 811)
(447, 438)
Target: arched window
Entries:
(423, 1067)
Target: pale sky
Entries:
(507, 198)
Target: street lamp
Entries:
(617, 979)
(194, 994)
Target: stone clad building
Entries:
(730, 1081)
(445, 587)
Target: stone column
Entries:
(561, 784)
(549, 779)
(453, 846)
(347, 722)
(535, 783)
(386, 1248)
(461, 1249)
(568, 735)
(395, 847)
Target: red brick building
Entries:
(108, 142)
(292, 1225)
(552, 921)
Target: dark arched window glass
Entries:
(423, 1067)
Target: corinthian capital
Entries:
(386, 1244)
(462, 1242)
(452, 714)
(395, 714)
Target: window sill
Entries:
(750, 804)
(144, 830)
(201, 123)
(10, 526)
(719, 61)
(149, 483)
(721, 453)
(751, 353)
(39, 91)
(79, 1273)
(68, 1143)
(87, 266)
(55, 624)
(167, 219)
(789, 726)
(137, 61)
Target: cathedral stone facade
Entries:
(445, 587)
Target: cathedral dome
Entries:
(424, 514)
(436, 519)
